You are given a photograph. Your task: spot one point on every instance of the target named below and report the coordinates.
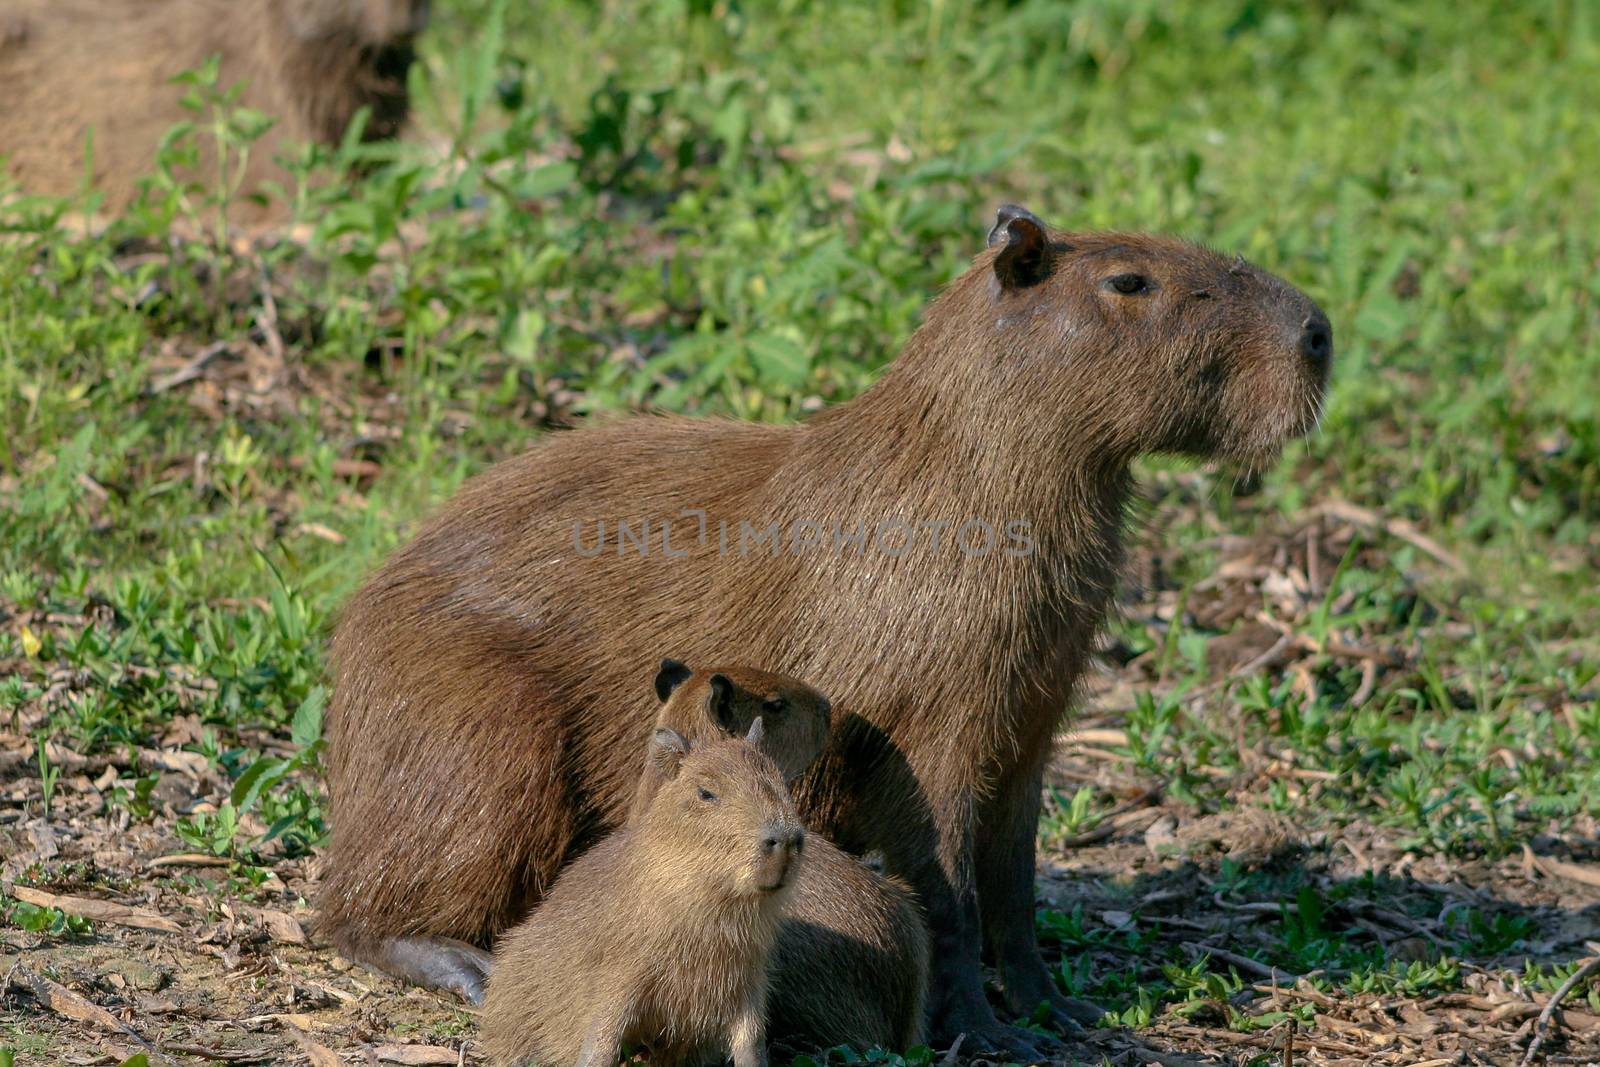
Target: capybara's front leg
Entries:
(747, 1038)
(1006, 839)
(602, 1045)
(435, 962)
(941, 872)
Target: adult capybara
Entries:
(661, 934)
(936, 555)
(72, 67)
(851, 962)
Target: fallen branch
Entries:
(1090, 736)
(1301, 989)
(1243, 963)
(414, 1055)
(191, 370)
(1541, 1028)
(98, 910)
(1359, 516)
(63, 1001)
(1557, 869)
(189, 859)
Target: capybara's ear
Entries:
(719, 705)
(667, 749)
(757, 734)
(671, 675)
(1024, 258)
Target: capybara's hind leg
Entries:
(436, 962)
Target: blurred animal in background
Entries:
(89, 95)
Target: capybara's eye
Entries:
(774, 705)
(1128, 284)
(707, 795)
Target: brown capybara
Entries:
(795, 718)
(851, 963)
(69, 67)
(937, 555)
(661, 935)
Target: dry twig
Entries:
(1541, 1028)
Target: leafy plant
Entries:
(230, 132)
(49, 774)
(296, 817)
(41, 920)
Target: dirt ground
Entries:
(190, 966)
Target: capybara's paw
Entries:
(1030, 992)
(1081, 1012)
(997, 1041)
(441, 963)
(1065, 1015)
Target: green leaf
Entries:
(249, 124)
(306, 728)
(547, 180)
(257, 778)
(779, 360)
(522, 339)
(1383, 318)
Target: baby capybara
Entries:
(851, 963)
(661, 934)
(795, 718)
(102, 69)
(937, 555)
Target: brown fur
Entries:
(71, 66)
(851, 962)
(1027, 392)
(795, 718)
(661, 934)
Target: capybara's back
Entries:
(851, 962)
(660, 935)
(101, 70)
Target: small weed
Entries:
(135, 796)
(49, 774)
(920, 1056)
(230, 134)
(1547, 978)
(1409, 979)
(1065, 817)
(40, 920)
(295, 813)
(1478, 934)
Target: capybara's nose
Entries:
(787, 839)
(781, 845)
(1316, 339)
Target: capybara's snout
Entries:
(1316, 340)
(781, 846)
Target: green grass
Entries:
(741, 208)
